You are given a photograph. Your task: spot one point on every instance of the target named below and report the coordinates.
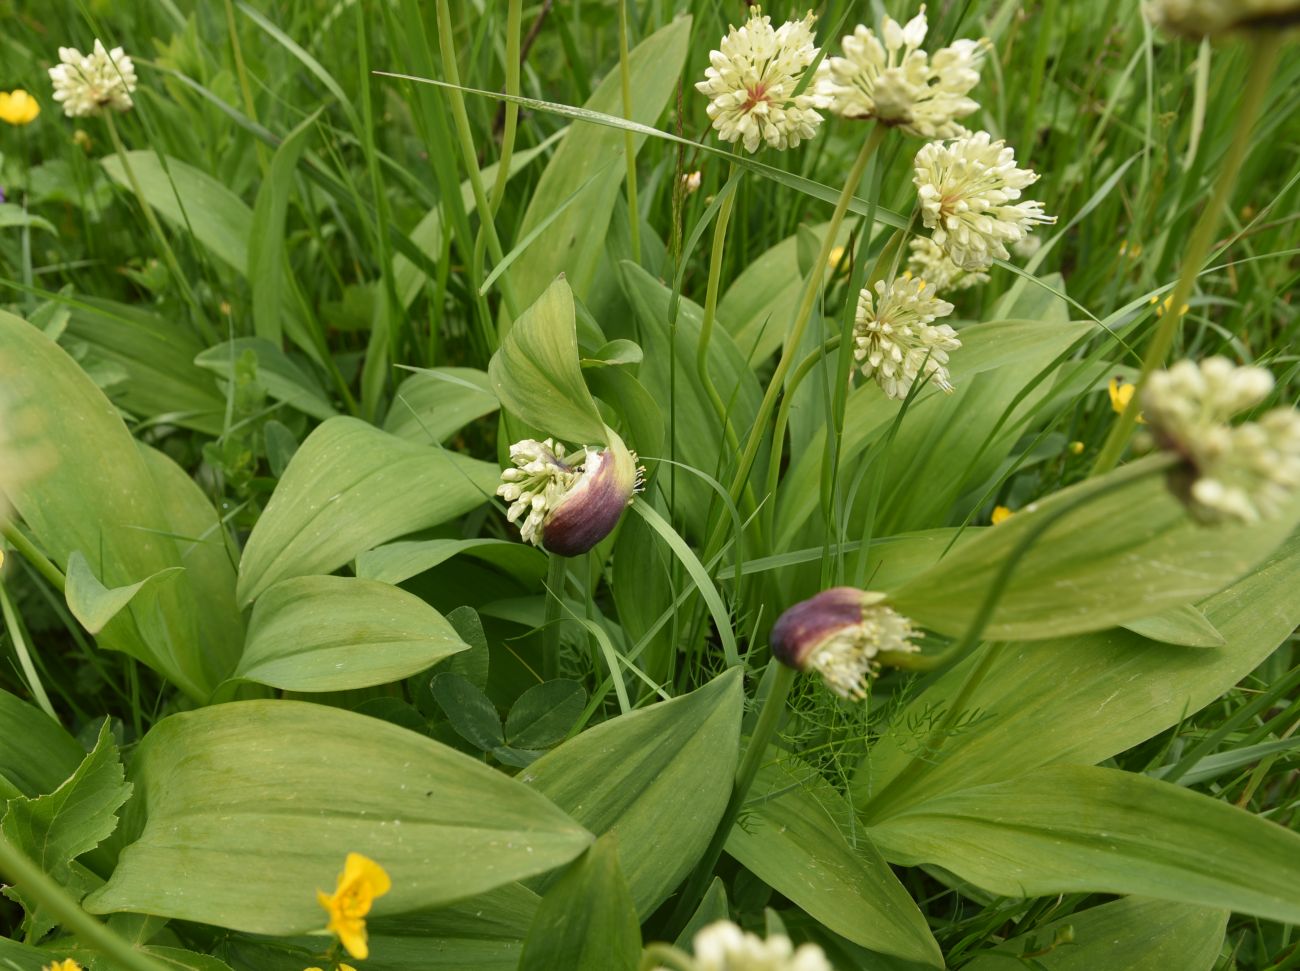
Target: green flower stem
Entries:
(769, 717)
(926, 757)
(514, 17)
(555, 576)
(1266, 46)
(169, 256)
(711, 309)
(38, 886)
(42, 564)
(488, 229)
(629, 141)
(804, 314)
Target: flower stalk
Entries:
(1266, 47)
(629, 141)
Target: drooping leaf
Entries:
(659, 778)
(348, 488)
(337, 633)
(1067, 828)
(400, 561)
(1178, 625)
(94, 604)
(586, 921)
(36, 755)
(252, 806)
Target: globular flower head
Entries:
(839, 634)
(90, 84)
(898, 84)
(18, 107)
(361, 881)
(722, 946)
(751, 82)
(1196, 18)
(569, 501)
(931, 263)
(895, 339)
(967, 190)
(1239, 473)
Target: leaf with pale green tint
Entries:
(792, 836)
(21, 957)
(278, 373)
(543, 715)
(227, 788)
(54, 829)
(36, 754)
(586, 921)
(349, 488)
(659, 777)
(1109, 558)
(1078, 699)
(1067, 828)
(432, 405)
(94, 604)
(400, 561)
(338, 633)
(536, 373)
(192, 201)
(470, 711)
(97, 494)
(574, 242)
(1178, 625)
(1133, 933)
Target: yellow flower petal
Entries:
(1076, 448)
(67, 964)
(1120, 395)
(833, 261)
(18, 107)
(1001, 514)
(361, 881)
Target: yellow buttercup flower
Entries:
(1167, 304)
(341, 967)
(1121, 393)
(67, 964)
(1076, 448)
(361, 881)
(18, 107)
(1000, 515)
(833, 261)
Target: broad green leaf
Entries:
(1078, 699)
(1068, 828)
(430, 406)
(659, 778)
(282, 378)
(1110, 557)
(400, 561)
(98, 495)
(54, 829)
(36, 755)
(158, 357)
(192, 201)
(1133, 933)
(543, 715)
(228, 788)
(21, 957)
(337, 633)
(712, 908)
(586, 921)
(12, 215)
(536, 373)
(348, 488)
(469, 710)
(1178, 625)
(791, 835)
(266, 257)
(94, 604)
(573, 243)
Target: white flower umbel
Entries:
(838, 634)
(932, 264)
(543, 475)
(722, 946)
(895, 339)
(1197, 18)
(751, 82)
(967, 190)
(89, 84)
(1243, 473)
(897, 84)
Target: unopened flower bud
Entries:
(568, 501)
(838, 634)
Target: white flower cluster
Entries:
(1244, 473)
(1200, 17)
(543, 475)
(967, 189)
(898, 84)
(896, 341)
(88, 84)
(723, 946)
(931, 263)
(845, 659)
(751, 82)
